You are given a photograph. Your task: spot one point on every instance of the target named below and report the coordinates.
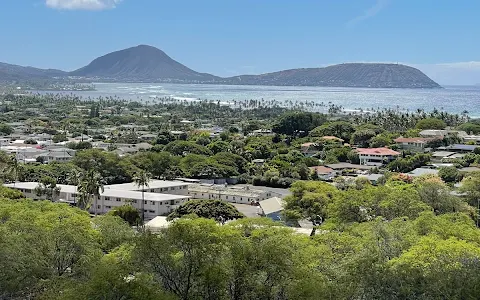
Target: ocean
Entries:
(453, 99)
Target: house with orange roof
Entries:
(324, 173)
(309, 149)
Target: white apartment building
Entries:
(154, 186)
(155, 203)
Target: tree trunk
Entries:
(95, 205)
(143, 206)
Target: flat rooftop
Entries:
(134, 195)
(222, 190)
(152, 184)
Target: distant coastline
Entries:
(452, 99)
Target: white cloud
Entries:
(82, 4)
(369, 13)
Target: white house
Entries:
(376, 156)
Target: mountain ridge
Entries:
(145, 63)
(374, 75)
(142, 62)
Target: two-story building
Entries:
(376, 156)
(154, 186)
(158, 200)
(415, 144)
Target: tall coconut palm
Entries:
(90, 188)
(75, 178)
(14, 168)
(142, 179)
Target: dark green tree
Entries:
(218, 210)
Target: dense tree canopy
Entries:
(340, 129)
(296, 122)
(5, 129)
(218, 210)
(470, 128)
(431, 123)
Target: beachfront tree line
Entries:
(404, 239)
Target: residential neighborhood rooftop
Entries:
(414, 139)
(376, 151)
(422, 171)
(322, 169)
(345, 165)
(271, 205)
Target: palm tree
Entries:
(90, 188)
(75, 177)
(47, 186)
(14, 168)
(141, 179)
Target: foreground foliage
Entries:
(53, 251)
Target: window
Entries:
(118, 199)
(99, 206)
(227, 198)
(234, 198)
(151, 211)
(107, 198)
(152, 202)
(172, 188)
(134, 201)
(108, 207)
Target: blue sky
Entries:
(231, 37)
